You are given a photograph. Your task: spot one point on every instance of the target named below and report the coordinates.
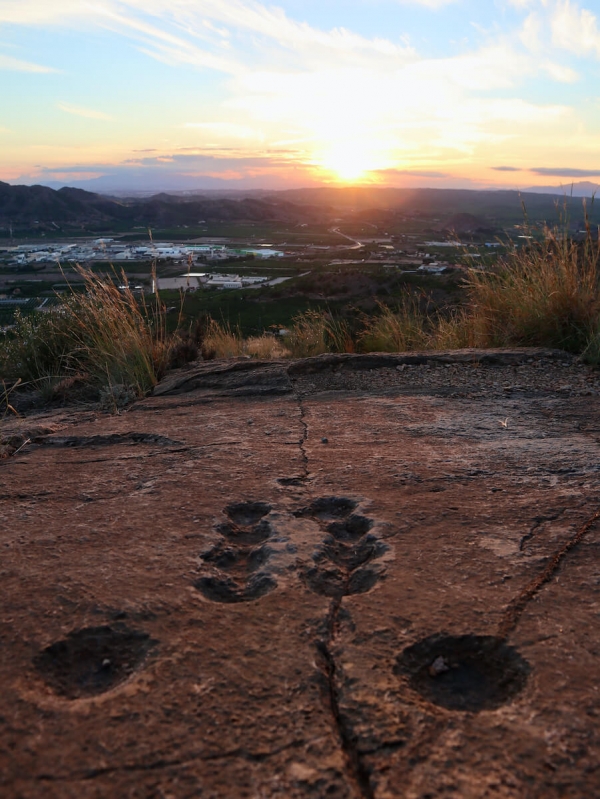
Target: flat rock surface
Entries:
(333, 578)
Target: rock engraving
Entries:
(92, 660)
(238, 561)
(342, 562)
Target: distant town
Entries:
(273, 256)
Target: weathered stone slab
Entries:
(378, 360)
(254, 376)
(233, 376)
(346, 594)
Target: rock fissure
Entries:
(338, 572)
(304, 437)
(537, 523)
(356, 771)
(516, 608)
(118, 458)
(106, 440)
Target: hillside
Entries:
(38, 207)
(499, 208)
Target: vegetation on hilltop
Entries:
(103, 338)
(546, 294)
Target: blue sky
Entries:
(165, 94)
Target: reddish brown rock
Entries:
(201, 598)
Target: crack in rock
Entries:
(516, 608)
(537, 523)
(341, 570)
(303, 438)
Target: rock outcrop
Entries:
(345, 577)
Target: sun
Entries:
(347, 171)
(349, 161)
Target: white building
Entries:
(177, 283)
(251, 280)
(232, 284)
(263, 253)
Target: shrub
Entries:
(542, 295)
(399, 330)
(316, 332)
(104, 335)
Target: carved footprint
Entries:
(341, 560)
(238, 561)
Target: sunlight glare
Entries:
(350, 161)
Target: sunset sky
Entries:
(168, 94)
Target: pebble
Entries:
(439, 666)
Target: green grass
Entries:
(247, 310)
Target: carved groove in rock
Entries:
(239, 560)
(342, 559)
(467, 672)
(92, 660)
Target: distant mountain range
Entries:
(584, 188)
(42, 208)
(494, 209)
(39, 208)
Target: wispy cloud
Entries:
(506, 168)
(227, 130)
(208, 20)
(176, 171)
(161, 44)
(575, 28)
(428, 3)
(273, 23)
(15, 64)
(522, 4)
(78, 111)
(566, 172)
(35, 12)
(412, 173)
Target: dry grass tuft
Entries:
(405, 328)
(223, 341)
(542, 295)
(315, 332)
(265, 347)
(103, 336)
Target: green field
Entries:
(347, 294)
